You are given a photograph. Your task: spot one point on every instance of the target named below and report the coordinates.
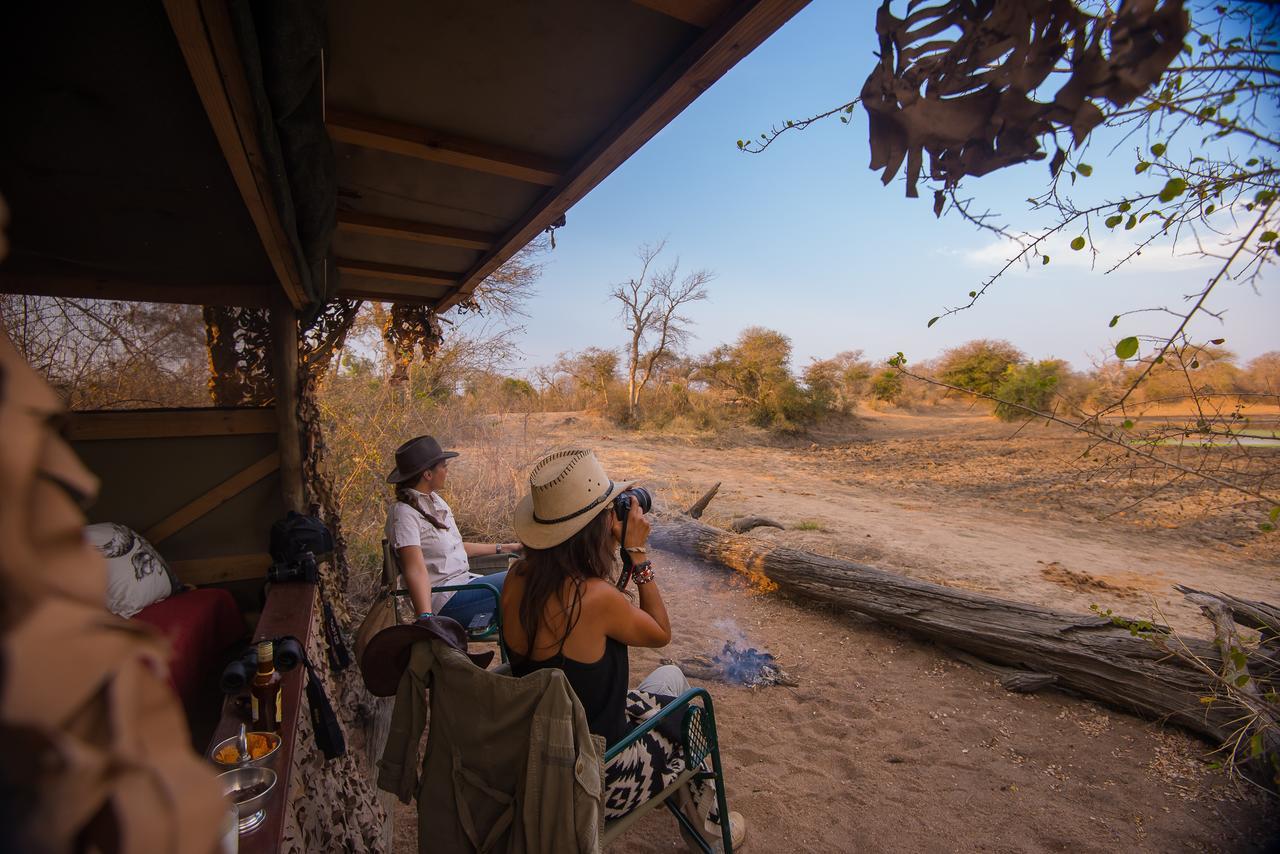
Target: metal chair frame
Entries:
(699, 740)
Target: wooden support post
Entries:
(284, 352)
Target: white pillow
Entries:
(136, 574)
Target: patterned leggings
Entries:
(650, 764)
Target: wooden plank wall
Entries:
(201, 484)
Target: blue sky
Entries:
(805, 239)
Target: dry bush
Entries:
(366, 418)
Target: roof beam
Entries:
(204, 33)
(93, 286)
(738, 32)
(395, 283)
(418, 232)
(424, 144)
(699, 13)
(396, 272)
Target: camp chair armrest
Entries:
(679, 704)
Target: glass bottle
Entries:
(265, 691)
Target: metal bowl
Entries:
(272, 738)
(251, 810)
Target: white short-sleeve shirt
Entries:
(442, 550)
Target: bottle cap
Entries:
(264, 652)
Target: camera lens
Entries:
(642, 495)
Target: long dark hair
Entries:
(587, 554)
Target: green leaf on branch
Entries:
(1084, 169)
(1255, 740)
(1127, 425)
(1268, 236)
(1114, 321)
(1218, 341)
(1044, 259)
(1241, 681)
(932, 321)
(1114, 220)
(1158, 149)
(1078, 243)
(1142, 166)
(1127, 347)
(1275, 513)
(1173, 188)
(1124, 207)
(1133, 221)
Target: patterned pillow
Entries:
(136, 574)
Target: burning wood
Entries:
(749, 667)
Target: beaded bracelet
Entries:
(643, 572)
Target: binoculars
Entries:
(237, 675)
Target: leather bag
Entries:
(383, 612)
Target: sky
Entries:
(806, 240)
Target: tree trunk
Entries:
(1083, 653)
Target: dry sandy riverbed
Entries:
(889, 745)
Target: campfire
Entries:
(737, 666)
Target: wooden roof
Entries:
(461, 131)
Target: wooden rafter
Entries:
(209, 47)
(93, 286)
(418, 232)
(738, 32)
(216, 497)
(424, 144)
(699, 13)
(396, 272)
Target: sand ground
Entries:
(889, 745)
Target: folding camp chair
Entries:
(699, 741)
(491, 631)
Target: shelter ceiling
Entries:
(107, 161)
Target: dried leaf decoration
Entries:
(955, 78)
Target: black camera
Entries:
(622, 504)
(301, 569)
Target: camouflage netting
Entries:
(411, 329)
(333, 804)
(957, 78)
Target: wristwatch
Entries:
(497, 548)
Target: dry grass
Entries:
(365, 420)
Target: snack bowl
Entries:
(273, 742)
(248, 789)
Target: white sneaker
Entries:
(737, 832)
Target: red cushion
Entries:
(200, 625)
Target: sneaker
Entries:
(737, 832)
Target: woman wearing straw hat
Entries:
(422, 530)
(561, 608)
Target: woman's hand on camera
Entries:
(637, 527)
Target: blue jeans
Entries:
(464, 605)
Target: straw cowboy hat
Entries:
(416, 456)
(567, 489)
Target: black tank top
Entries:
(601, 686)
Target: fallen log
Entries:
(1087, 654)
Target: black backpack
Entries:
(295, 534)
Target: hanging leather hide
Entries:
(956, 79)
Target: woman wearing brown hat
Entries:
(422, 530)
(561, 608)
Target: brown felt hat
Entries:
(416, 456)
(387, 653)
